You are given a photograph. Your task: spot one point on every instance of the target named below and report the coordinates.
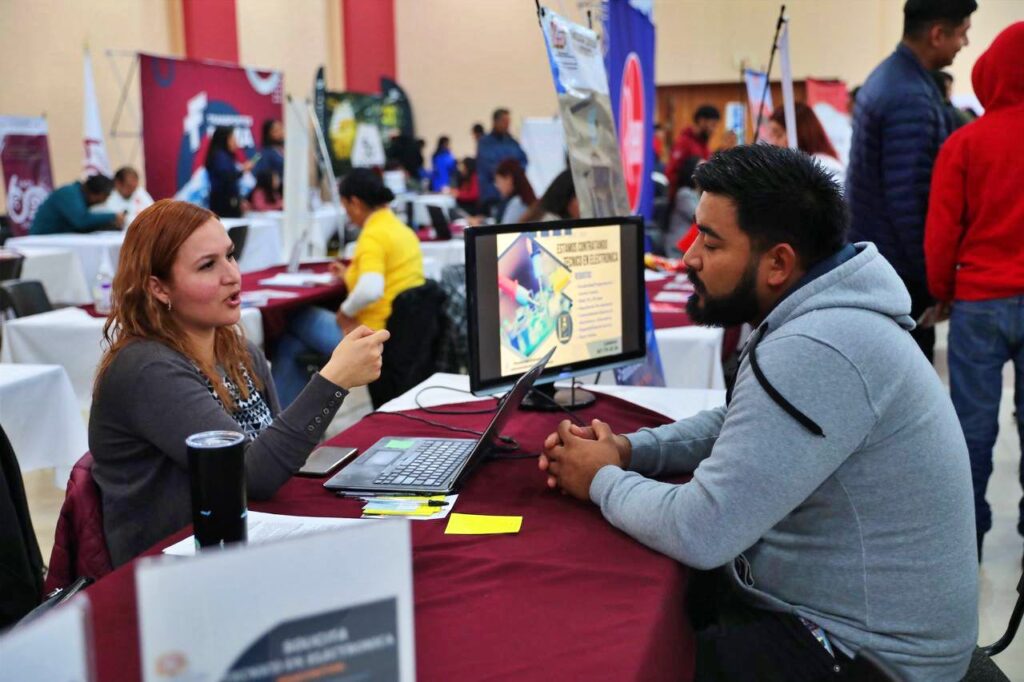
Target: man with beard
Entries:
(831, 494)
(692, 141)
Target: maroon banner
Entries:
(25, 157)
(183, 101)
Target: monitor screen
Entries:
(572, 286)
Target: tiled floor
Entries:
(1003, 546)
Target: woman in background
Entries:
(224, 172)
(178, 364)
(810, 139)
(442, 166)
(387, 261)
(515, 190)
(266, 196)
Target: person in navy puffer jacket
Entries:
(899, 123)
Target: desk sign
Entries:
(335, 605)
(56, 646)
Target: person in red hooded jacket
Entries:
(974, 255)
(692, 141)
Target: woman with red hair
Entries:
(178, 363)
(810, 139)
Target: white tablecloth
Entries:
(71, 337)
(264, 247)
(452, 251)
(674, 403)
(60, 271)
(90, 249)
(691, 356)
(420, 212)
(42, 419)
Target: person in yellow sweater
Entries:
(386, 262)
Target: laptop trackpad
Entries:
(382, 458)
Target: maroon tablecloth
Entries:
(567, 598)
(677, 317)
(275, 312)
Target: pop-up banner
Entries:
(629, 59)
(184, 100)
(577, 65)
(25, 157)
(335, 605)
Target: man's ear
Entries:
(158, 290)
(782, 264)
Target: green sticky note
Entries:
(399, 444)
(476, 524)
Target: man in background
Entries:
(67, 208)
(899, 122)
(972, 247)
(692, 141)
(491, 150)
(128, 197)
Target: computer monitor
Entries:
(576, 286)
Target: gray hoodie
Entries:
(835, 485)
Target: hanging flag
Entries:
(629, 61)
(96, 160)
(756, 90)
(829, 98)
(25, 158)
(788, 107)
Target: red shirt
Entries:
(974, 235)
(688, 144)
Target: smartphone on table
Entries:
(326, 459)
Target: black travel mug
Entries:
(216, 467)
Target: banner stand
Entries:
(125, 77)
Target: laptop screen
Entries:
(510, 403)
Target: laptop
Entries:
(396, 464)
(440, 222)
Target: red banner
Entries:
(829, 92)
(183, 101)
(25, 157)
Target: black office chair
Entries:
(24, 297)
(5, 228)
(419, 328)
(21, 563)
(238, 236)
(10, 265)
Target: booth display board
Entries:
(55, 646)
(25, 157)
(183, 102)
(577, 65)
(335, 605)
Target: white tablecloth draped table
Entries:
(42, 419)
(60, 271)
(72, 338)
(90, 249)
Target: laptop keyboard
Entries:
(434, 463)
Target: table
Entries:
(90, 248)
(263, 242)
(71, 337)
(568, 598)
(40, 416)
(59, 270)
(275, 312)
(691, 356)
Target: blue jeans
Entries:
(312, 330)
(984, 336)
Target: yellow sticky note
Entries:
(477, 524)
(422, 510)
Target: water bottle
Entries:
(101, 288)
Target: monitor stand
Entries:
(551, 400)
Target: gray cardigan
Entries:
(152, 398)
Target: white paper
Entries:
(54, 647)
(298, 279)
(207, 611)
(441, 512)
(654, 275)
(678, 286)
(263, 528)
(671, 297)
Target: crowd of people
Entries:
(833, 497)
